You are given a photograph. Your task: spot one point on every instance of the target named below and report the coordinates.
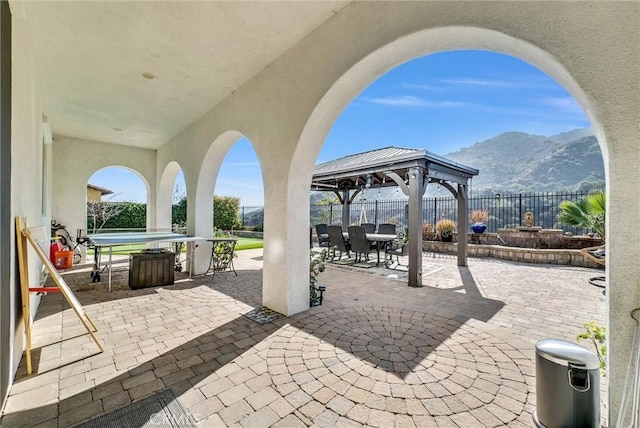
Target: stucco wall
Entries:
(26, 173)
(77, 160)
(287, 110)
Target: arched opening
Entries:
(372, 67)
(490, 111)
(119, 202)
(230, 171)
(172, 199)
(240, 178)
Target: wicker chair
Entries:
(387, 229)
(337, 242)
(596, 255)
(322, 231)
(359, 242)
(369, 227)
(397, 249)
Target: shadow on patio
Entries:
(376, 353)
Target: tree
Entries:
(99, 212)
(323, 202)
(179, 213)
(226, 212)
(589, 212)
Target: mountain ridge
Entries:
(521, 162)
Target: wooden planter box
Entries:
(151, 269)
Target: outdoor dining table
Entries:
(380, 239)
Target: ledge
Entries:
(564, 257)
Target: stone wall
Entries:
(569, 257)
(533, 238)
(247, 234)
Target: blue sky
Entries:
(441, 102)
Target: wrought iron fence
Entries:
(505, 210)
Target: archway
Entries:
(123, 185)
(170, 179)
(444, 103)
(352, 82)
(200, 202)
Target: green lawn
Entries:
(243, 244)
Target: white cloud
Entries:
(412, 101)
(494, 83)
(437, 88)
(567, 104)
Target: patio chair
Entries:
(397, 249)
(359, 242)
(322, 231)
(369, 227)
(387, 229)
(596, 255)
(337, 242)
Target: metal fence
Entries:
(252, 216)
(506, 210)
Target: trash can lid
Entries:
(563, 353)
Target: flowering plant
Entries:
(317, 263)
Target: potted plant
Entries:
(445, 228)
(427, 231)
(479, 220)
(317, 263)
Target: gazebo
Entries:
(411, 170)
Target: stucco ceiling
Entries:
(90, 56)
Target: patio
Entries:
(457, 352)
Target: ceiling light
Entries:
(148, 75)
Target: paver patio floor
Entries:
(458, 352)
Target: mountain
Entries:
(520, 162)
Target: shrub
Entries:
(589, 213)
(317, 262)
(225, 212)
(596, 334)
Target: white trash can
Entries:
(567, 386)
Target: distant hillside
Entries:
(520, 162)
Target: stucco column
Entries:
(415, 227)
(285, 287)
(200, 223)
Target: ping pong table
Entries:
(109, 240)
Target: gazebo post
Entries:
(463, 221)
(415, 226)
(346, 209)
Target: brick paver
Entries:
(458, 352)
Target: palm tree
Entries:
(589, 212)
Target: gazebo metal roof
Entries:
(352, 171)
